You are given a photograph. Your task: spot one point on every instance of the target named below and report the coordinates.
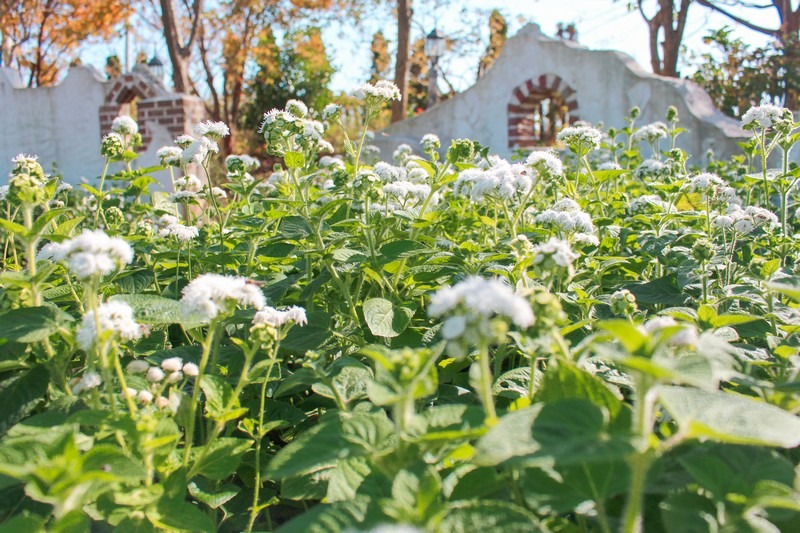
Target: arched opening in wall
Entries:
(538, 110)
(131, 108)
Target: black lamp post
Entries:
(157, 68)
(434, 49)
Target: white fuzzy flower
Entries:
(137, 366)
(332, 163)
(482, 297)
(162, 402)
(3, 192)
(647, 204)
(90, 380)
(112, 317)
(609, 165)
(331, 111)
(765, 116)
(191, 370)
(556, 250)
(297, 108)
(154, 374)
(276, 318)
(547, 162)
(389, 173)
(453, 327)
(744, 225)
(581, 138)
(651, 168)
(92, 253)
(172, 364)
(762, 217)
(124, 125)
(189, 182)
(208, 295)
(686, 336)
(382, 91)
(650, 132)
(213, 130)
(175, 377)
(145, 397)
(430, 142)
(706, 183)
(170, 156)
(401, 153)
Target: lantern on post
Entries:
(434, 49)
(156, 68)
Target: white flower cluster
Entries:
(90, 380)
(765, 116)
(652, 168)
(581, 138)
(3, 192)
(745, 220)
(650, 132)
(170, 227)
(405, 190)
(402, 153)
(381, 91)
(500, 180)
(111, 317)
(212, 130)
(649, 203)
(331, 163)
(273, 317)
(124, 125)
(609, 165)
(430, 142)
(478, 299)
(90, 253)
(189, 182)
(198, 149)
(567, 216)
(241, 163)
(296, 108)
(546, 162)
(170, 156)
(706, 183)
(209, 295)
(556, 250)
(172, 369)
(685, 336)
(331, 112)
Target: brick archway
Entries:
(177, 113)
(538, 109)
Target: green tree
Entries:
(380, 58)
(737, 76)
(298, 68)
(498, 34)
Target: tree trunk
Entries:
(401, 61)
(180, 52)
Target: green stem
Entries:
(485, 384)
(209, 341)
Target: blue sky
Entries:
(601, 24)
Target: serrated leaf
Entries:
(219, 397)
(221, 459)
(20, 394)
(294, 160)
(31, 324)
(328, 518)
(725, 417)
(203, 491)
(487, 515)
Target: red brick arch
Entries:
(177, 113)
(524, 107)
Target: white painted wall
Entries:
(607, 84)
(60, 124)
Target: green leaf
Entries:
(787, 286)
(14, 228)
(181, 516)
(663, 291)
(626, 333)
(725, 417)
(45, 218)
(350, 381)
(324, 518)
(107, 458)
(400, 249)
(203, 491)
(220, 404)
(686, 512)
(384, 319)
(487, 515)
(66, 228)
(20, 394)
(565, 380)
(294, 227)
(136, 281)
(294, 160)
(221, 459)
(346, 478)
(24, 522)
(31, 324)
(153, 309)
(299, 340)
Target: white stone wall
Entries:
(607, 85)
(64, 124)
(60, 124)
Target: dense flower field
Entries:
(595, 340)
